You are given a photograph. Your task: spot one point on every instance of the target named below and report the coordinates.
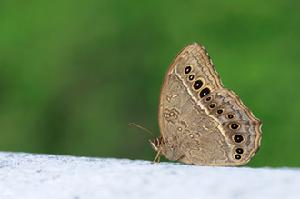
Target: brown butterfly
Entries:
(202, 122)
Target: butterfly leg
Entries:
(157, 157)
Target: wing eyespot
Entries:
(238, 138)
(204, 92)
(220, 111)
(239, 150)
(187, 69)
(213, 105)
(198, 84)
(191, 77)
(234, 126)
(208, 99)
(230, 116)
(237, 156)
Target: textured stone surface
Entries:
(31, 176)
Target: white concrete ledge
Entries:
(28, 176)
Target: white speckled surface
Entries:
(28, 176)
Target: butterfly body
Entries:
(201, 122)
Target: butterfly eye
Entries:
(191, 77)
(187, 69)
(198, 84)
(237, 157)
(239, 151)
(204, 92)
(238, 138)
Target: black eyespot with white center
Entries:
(230, 116)
(187, 69)
(238, 138)
(239, 151)
(191, 77)
(198, 84)
(234, 126)
(220, 111)
(204, 92)
(237, 157)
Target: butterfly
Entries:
(202, 122)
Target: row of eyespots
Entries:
(198, 83)
(239, 152)
(234, 126)
(238, 139)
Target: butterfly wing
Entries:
(201, 121)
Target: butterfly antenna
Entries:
(141, 127)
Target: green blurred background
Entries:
(73, 74)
